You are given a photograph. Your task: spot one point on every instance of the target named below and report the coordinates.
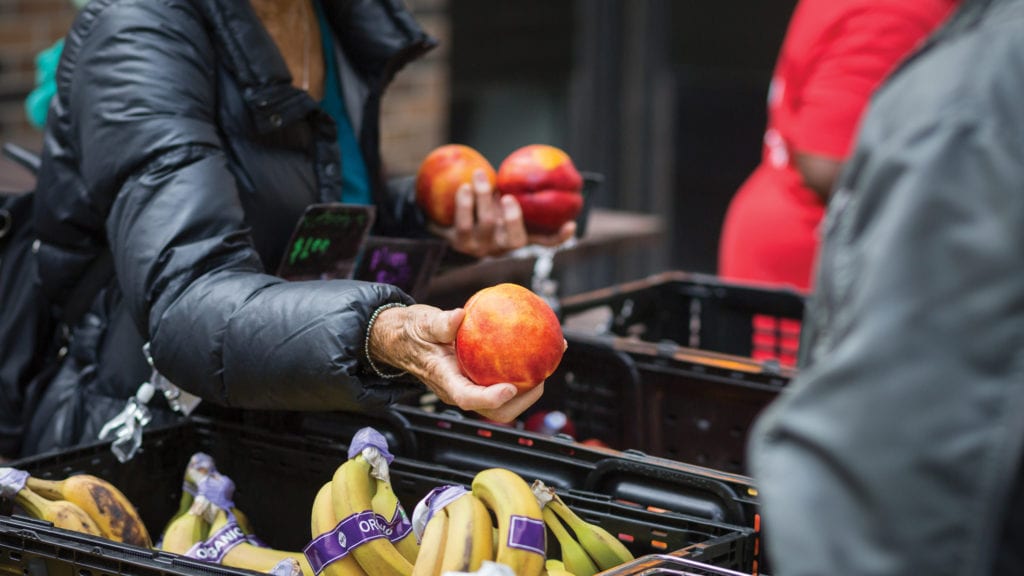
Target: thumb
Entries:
(446, 325)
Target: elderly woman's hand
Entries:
(489, 225)
(420, 340)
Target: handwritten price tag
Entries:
(327, 242)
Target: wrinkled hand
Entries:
(489, 225)
(420, 340)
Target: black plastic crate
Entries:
(665, 565)
(277, 476)
(661, 399)
(695, 311)
(451, 440)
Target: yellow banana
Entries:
(555, 567)
(321, 522)
(184, 532)
(113, 513)
(435, 536)
(385, 504)
(469, 540)
(521, 534)
(574, 557)
(351, 491)
(554, 564)
(242, 553)
(60, 513)
(603, 548)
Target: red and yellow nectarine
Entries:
(509, 334)
(440, 175)
(546, 183)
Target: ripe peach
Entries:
(440, 175)
(509, 335)
(546, 183)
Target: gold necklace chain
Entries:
(306, 44)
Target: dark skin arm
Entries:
(819, 173)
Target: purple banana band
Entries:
(399, 526)
(214, 548)
(350, 533)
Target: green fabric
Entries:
(355, 180)
(38, 101)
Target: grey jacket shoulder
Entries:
(897, 448)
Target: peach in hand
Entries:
(509, 334)
(546, 183)
(441, 174)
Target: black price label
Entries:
(326, 242)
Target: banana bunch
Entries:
(210, 531)
(368, 518)
(522, 539)
(586, 548)
(457, 535)
(200, 466)
(82, 502)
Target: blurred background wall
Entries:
(665, 98)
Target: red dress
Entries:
(835, 54)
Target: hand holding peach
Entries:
(455, 190)
(420, 340)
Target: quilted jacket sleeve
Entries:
(218, 325)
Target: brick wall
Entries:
(26, 27)
(414, 115)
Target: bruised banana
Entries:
(574, 557)
(60, 513)
(605, 549)
(322, 521)
(385, 503)
(251, 557)
(509, 496)
(351, 492)
(113, 513)
(469, 540)
(435, 537)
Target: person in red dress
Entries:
(836, 52)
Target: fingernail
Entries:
(508, 393)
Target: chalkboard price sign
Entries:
(326, 242)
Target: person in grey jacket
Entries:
(898, 448)
(187, 138)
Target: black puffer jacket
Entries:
(177, 140)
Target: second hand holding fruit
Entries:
(488, 225)
(419, 339)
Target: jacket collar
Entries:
(379, 36)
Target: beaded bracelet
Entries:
(366, 343)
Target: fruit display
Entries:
(441, 174)
(546, 183)
(509, 334)
(357, 525)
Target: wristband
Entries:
(366, 343)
